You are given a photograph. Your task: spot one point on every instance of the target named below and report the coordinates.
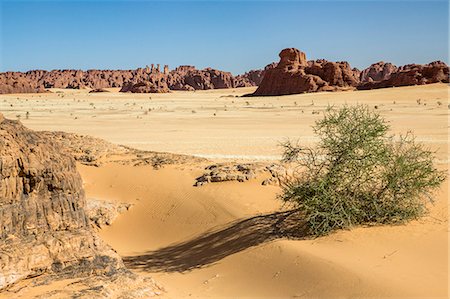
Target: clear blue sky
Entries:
(229, 35)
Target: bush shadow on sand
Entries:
(213, 246)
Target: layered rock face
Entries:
(294, 74)
(43, 224)
(412, 74)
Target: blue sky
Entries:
(229, 35)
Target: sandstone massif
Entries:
(141, 80)
(292, 75)
(44, 226)
(411, 74)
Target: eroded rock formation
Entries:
(294, 74)
(16, 82)
(377, 72)
(189, 78)
(44, 228)
(148, 79)
(155, 83)
(253, 77)
(412, 74)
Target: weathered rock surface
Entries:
(150, 86)
(103, 212)
(335, 74)
(139, 80)
(44, 228)
(294, 74)
(377, 72)
(189, 78)
(92, 151)
(221, 173)
(225, 172)
(412, 74)
(253, 77)
(16, 82)
(152, 81)
(39, 80)
(121, 285)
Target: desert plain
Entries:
(212, 240)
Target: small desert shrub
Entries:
(357, 174)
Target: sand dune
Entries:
(218, 241)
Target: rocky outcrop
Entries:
(189, 78)
(377, 72)
(149, 79)
(44, 228)
(412, 74)
(152, 82)
(92, 151)
(222, 173)
(103, 212)
(335, 74)
(150, 86)
(226, 172)
(294, 74)
(15, 82)
(253, 77)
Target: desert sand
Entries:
(213, 241)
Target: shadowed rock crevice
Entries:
(213, 246)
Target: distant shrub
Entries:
(357, 174)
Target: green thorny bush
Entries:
(357, 174)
